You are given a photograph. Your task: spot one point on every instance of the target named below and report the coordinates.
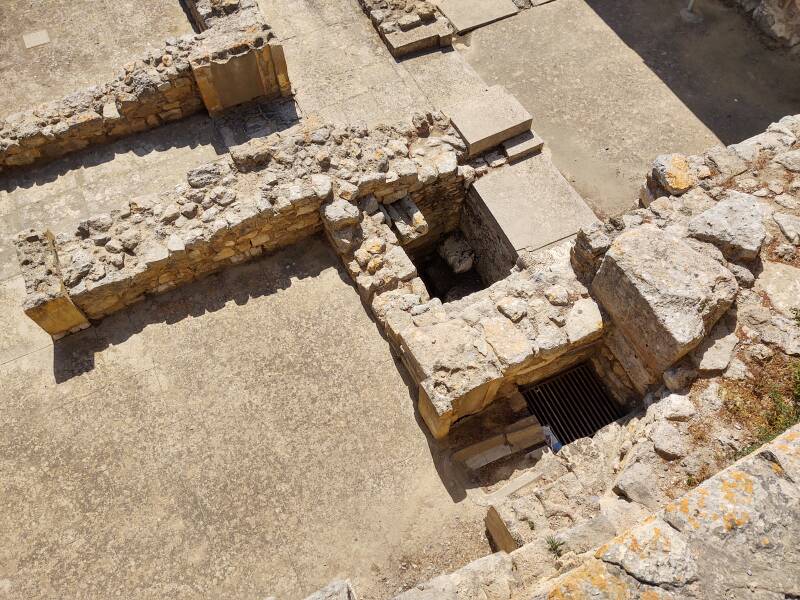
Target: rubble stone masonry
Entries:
(236, 60)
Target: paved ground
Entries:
(89, 41)
(246, 436)
(612, 84)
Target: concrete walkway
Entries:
(612, 84)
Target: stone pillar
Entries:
(235, 67)
(47, 302)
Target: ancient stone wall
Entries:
(267, 194)
(779, 19)
(494, 254)
(236, 60)
(730, 537)
(156, 89)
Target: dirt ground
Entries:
(89, 41)
(613, 84)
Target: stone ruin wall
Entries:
(181, 78)
(779, 19)
(700, 293)
(263, 196)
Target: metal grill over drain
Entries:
(574, 403)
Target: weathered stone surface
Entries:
(735, 225)
(790, 226)
(637, 483)
(790, 160)
(466, 15)
(490, 578)
(489, 118)
(781, 283)
(664, 308)
(584, 321)
(668, 441)
(714, 353)
(457, 253)
(677, 407)
(673, 174)
(336, 590)
(653, 553)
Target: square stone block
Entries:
(489, 118)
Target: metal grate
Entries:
(574, 403)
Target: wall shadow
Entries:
(74, 354)
(722, 69)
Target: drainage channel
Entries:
(574, 403)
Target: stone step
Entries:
(489, 119)
(522, 146)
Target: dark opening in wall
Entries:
(448, 269)
(574, 403)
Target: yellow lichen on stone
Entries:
(586, 581)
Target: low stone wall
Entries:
(236, 60)
(466, 353)
(779, 19)
(267, 194)
(156, 89)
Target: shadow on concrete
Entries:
(723, 69)
(74, 354)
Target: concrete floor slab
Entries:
(466, 15)
(533, 203)
(88, 42)
(247, 435)
(631, 81)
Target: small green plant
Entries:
(691, 481)
(554, 545)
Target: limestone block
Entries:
(664, 308)
(653, 553)
(466, 15)
(490, 578)
(489, 118)
(336, 590)
(735, 225)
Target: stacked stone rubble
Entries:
(184, 76)
(264, 195)
(779, 19)
(156, 89)
(408, 26)
(733, 536)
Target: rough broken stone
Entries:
(665, 310)
(790, 226)
(735, 225)
(668, 441)
(457, 253)
(653, 553)
(673, 173)
(714, 353)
